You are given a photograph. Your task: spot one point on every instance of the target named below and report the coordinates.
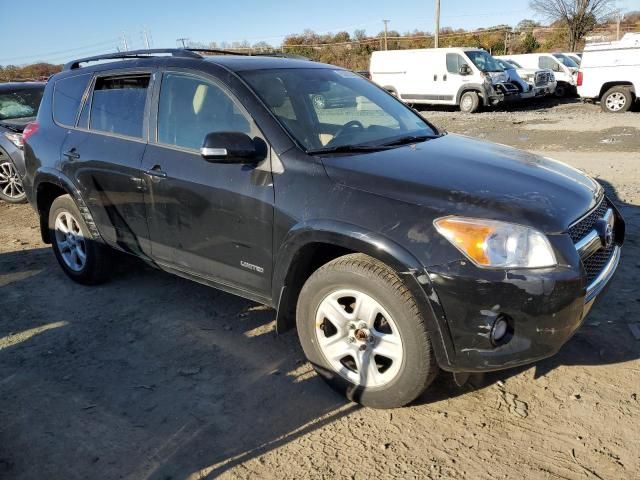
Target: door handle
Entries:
(72, 154)
(156, 172)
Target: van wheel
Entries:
(83, 259)
(616, 100)
(469, 102)
(362, 331)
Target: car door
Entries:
(211, 220)
(104, 153)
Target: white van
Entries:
(610, 72)
(564, 69)
(468, 77)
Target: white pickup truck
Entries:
(610, 72)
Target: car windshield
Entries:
(20, 103)
(566, 61)
(504, 65)
(327, 109)
(514, 63)
(484, 61)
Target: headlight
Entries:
(15, 138)
(494, 244)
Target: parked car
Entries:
(563, 68)
(467, 77)
(396, 249)
(610, 73)
(525, 90)
(19, 102)
(334, 96)
(575, 57)
(542, 81)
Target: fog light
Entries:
(499, 330)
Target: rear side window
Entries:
(118, 105)
(548, 63)
(67, 97)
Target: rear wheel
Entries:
(83, 259)
(469, 102)
(616, 100)
(362, 331)
(11, 189)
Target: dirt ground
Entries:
(151, 376)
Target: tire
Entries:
(469, 102)
(386, 326)
(562, 90)
(617, 100)
(319, 101)
(11, 189)
(69, 247)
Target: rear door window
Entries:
(67, 97)
(118, 105)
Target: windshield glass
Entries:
(484, 61)
(514, 63)
(504, 65)
(20, 103)
(566, 61)
(326, 108)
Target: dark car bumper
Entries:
(544, 309)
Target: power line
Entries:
(75, 49)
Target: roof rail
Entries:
(217, 51)
(249, 53)
(175, 52)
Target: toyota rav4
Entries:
(396, 249)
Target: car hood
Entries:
(457, 175)
(16, 125)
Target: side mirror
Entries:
(232, 147)
(465, 70)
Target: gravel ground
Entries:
(151, 376)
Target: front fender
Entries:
(358, 239)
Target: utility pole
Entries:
(618, 20)
(506, 42)
(385, 33)
(182, 40)
(124, 42)
(436, 39)
(146, 38)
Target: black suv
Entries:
(19, 102)
(396, 249)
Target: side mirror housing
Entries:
(232, 147)
(465, 70)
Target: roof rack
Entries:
(175, 52)
(216, 51)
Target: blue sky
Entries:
(58, 30)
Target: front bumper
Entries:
(544, 308)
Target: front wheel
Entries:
(83, 259)
(362, 331)
(469, 102)
(11, 189)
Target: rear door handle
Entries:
(72, 154)
(156, 172)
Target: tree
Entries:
(579, 16)
(527, 25)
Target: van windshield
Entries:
(566, 61)
(327, 109)
(514, 63)
(484, 61)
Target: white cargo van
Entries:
(564, 69)
(468, 77)
(610, 72)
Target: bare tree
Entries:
(579, 16)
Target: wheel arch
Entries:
(47, 187)
(608, 85)
(308, 247)
(471, 87)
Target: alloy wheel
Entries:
(358, 338)
(616, 101)
(70, 241)
(10, 183)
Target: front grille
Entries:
(594, 264)
(542, 79)
(580, 229)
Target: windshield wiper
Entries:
(409, 139)
(348, 149)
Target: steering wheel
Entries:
(345, 127)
